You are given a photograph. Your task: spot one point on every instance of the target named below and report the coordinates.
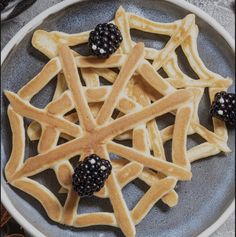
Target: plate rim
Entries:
(32, 24)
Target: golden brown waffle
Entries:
(140, 94)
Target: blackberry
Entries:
(90, 175)
(223, 107)
(105, 40)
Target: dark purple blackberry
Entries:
(90, 175)
(105, 40)
(223, 107)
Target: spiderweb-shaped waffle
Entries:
(140, 93)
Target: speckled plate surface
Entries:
(201, 201)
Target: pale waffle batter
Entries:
(140, 94)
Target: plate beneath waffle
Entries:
(212, 187)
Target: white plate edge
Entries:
(37, 21)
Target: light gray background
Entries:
(222, 10)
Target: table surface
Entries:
(222, 10)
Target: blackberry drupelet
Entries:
(105, 40)
(223, 107)
(90, 175)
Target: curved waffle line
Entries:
(18, 143)
(43, 195)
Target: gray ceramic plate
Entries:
(201, 201)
